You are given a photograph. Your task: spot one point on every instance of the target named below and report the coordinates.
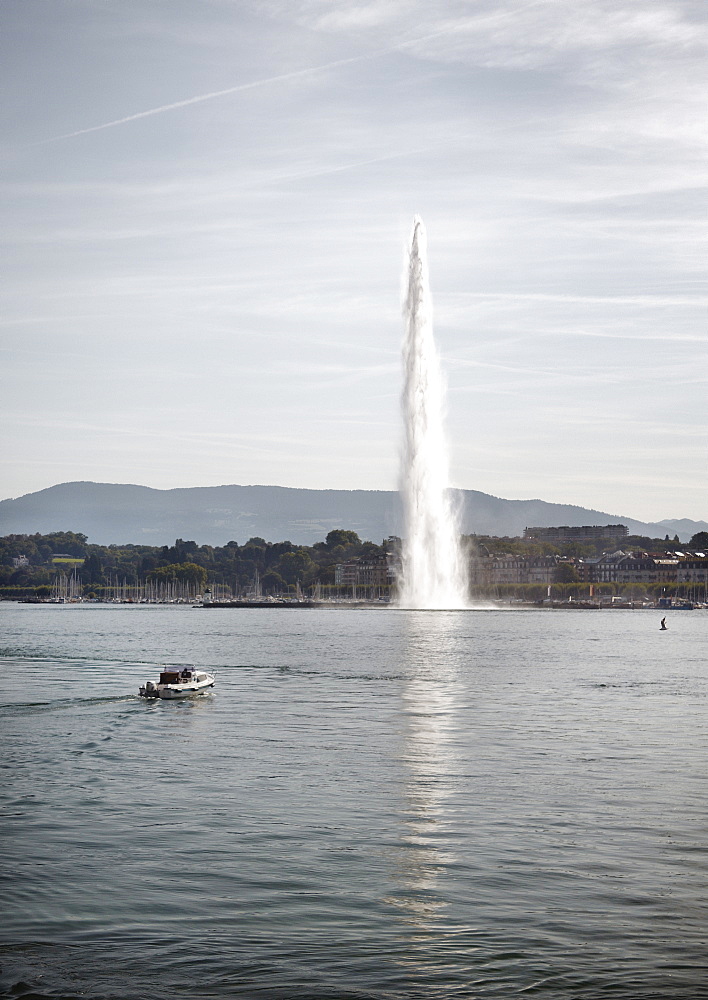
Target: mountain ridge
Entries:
(121, 513)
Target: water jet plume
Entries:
(433, 572)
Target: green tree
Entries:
(699, 541)
(273, 583)
(325, 574)
(92, 569)
(370, 550)
(565, 573)
(71, 542)
(187, 572)
(338, 536)
(297, 565)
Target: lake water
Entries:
(373, 804)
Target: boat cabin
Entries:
(170, 677)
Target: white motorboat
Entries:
(178, 682)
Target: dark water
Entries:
(373, 804)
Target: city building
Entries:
(364, 573)
(507, 568)
(644, 567)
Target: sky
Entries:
(206, 205)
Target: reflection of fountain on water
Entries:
(433, 568)
(420, 859)
(429, 759)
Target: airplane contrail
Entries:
(293, 75)
(208, 97)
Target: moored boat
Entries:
(176, 682)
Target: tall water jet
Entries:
(433, 572)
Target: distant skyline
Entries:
(205, 212)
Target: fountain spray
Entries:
(433, 573)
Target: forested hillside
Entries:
(29, 562)
(113, 513)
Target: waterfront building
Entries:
(644, 567)
(364, 573)
(507, 568)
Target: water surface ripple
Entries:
(373, 804)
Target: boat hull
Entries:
(169, 693)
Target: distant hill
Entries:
(111, 513)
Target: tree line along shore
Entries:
(65, 564)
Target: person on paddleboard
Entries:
(664, 626)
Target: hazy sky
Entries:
(205, 208)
